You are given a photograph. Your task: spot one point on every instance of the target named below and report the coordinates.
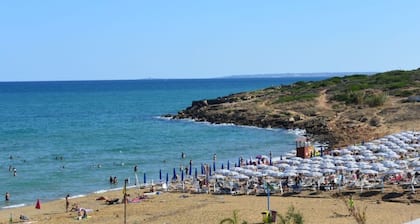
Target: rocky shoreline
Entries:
(324, 118)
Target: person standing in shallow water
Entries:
(7, 196)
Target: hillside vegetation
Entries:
(337, 110)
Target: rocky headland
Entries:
(339, 110)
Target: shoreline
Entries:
(175, 204)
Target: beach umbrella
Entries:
(241, 177)
(326, 170)
(271, 161)
(190, 170)
(195, 173)
(394, 171)
(144, 178)
(340, 167)
(223, 166)
(214, 165)
(390, 164)
(368, 171)
(202, 169)
(209, 172)
(314, 174)
(304, 172)
(217, 177)
(160, 175)
(167, 178)
(349, 169)
(174, 175)
(288, 174)
(182, 175)
(228, 166)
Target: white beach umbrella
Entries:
(390, 164)
(348, 158)
(262, 166)
(353, 148)
(349, 169)
(365, 166)
(282, 165)
(317, 158)
(394, 171)
(369, 171)
(380, 154)
(345, 151)
(288, 174)
(270, 172)
(392, 156)
(359, 157)
(371, 158)
(217, 177)
(314, 174)
(328, 171)
(241, 177)
(237, 169)
(352, 165)
(233, 173)
(415, 163)
(223, 172)
(327, 166)
(315, 169)
(340, 168)
(303, 171)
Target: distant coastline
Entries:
(298, 74)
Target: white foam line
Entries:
(13, 206)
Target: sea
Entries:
(70, 137)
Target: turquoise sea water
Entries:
(70, 137)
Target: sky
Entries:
(101, 40)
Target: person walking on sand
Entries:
(67, 203)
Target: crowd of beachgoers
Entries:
(393, 159)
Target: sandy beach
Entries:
(183, 207)
(382, 192)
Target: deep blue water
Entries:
(69, 137)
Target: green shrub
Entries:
(292, 217)
(376, 100)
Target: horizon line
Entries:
(262, 75)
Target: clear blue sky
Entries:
(87, 39)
